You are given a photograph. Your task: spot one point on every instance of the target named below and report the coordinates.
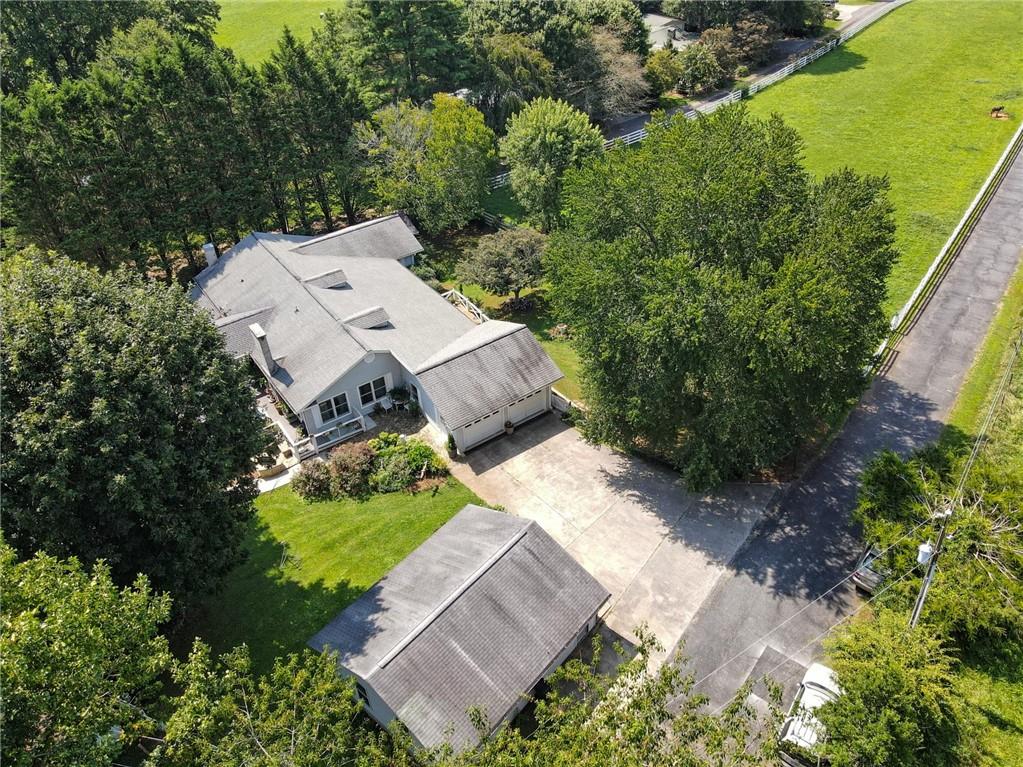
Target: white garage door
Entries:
(481, 429)
(528, 406)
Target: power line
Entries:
(960, 490)
(828, 630)
(804, 608)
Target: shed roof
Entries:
(472, 618)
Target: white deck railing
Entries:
(462, 301)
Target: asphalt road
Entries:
(806, 544)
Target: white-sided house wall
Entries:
(373, 703)
(373, 366)
(426, 404)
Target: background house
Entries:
(336, 322)
(475, 617)
(663, 31)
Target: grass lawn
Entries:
(251, 28)
(501, 202)
(995, 690)
(337, 550)
(910, 97)
(970, 404)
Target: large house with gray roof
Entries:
(474, 618)
(337, 321)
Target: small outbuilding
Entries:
(474, 618)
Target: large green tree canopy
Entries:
(128, 433)
(723, 301)
(80, 658)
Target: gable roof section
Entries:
(473, 617)
(235, 329)
(386, 237)
(496, 364)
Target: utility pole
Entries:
(932, 564)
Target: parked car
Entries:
(801, 730)
(869, 573)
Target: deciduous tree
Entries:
(433, 162)
(901, 702)
(303, 713)
(663, 70)
(82, 659)
(700, 69)
(506, 262)
(544, 140)
(128, 433)
(723, 302)
(511, 73)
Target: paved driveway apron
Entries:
(657, 548)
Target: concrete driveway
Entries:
(657, 548)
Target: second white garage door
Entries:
(528, 406)
(481, 429)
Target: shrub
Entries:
(384, 440)
(393, 472)
(312, 481)
(420, 454)
(350, 466)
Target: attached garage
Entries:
(482, 429)
(527, 407)
(496, 373)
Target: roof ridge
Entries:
(453, 597)
(309, 290)
(515, 328)
(343, 230)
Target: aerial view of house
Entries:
(484, 383)
(336, 322)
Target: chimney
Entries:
(264, 346)
(210, 252)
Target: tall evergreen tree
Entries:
(404, 49)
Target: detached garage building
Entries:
(336, 322)
(475, 617)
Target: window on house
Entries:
(372, 391)
(361, 692)
(413, 392)
(334, 408)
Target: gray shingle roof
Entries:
(472, 618)
(326, 302)
(467, 382)
(386, 237)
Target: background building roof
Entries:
(472, 618)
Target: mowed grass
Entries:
(308, 561)
(910, 98)
(975, 394)
(251, 28)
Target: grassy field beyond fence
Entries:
(910, 98)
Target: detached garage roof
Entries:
(472, 618)
(490, 366)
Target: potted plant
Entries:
(509, 427)
(452, 447)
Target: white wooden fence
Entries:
(764, 82)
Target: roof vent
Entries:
(330, 279)
(373, 317)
